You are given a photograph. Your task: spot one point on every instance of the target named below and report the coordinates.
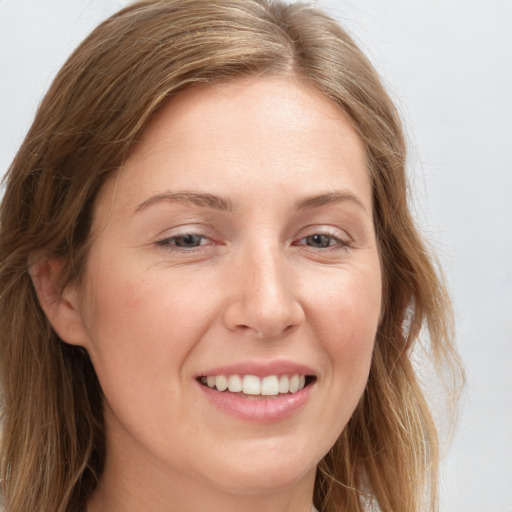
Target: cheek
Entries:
(344, 307)
(142, 330)
(349, 302)
(346, 316)
(142, 308)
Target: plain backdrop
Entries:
(448, 65)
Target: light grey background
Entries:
(448, 64)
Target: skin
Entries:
(255, 284)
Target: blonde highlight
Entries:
(53, 444)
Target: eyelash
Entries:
(170, 243)
(339, 243)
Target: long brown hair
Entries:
(53, 443)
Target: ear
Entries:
(61, 305)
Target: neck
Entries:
(179, 495)
(126, 486)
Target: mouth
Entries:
(255, 387)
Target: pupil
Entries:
(188, 241)
(319, 240)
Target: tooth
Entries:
(294, 383)
(270, 385)
(284, 384)
(221, 382)
(251, 385)
(234, 383)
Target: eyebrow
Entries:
(225, 204)
(317, 201)
(193, 198)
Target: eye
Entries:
(323, 241)
(320, 241)
(185, 241)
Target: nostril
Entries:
(266, 319)
(242, 327)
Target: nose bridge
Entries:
(271, 286)
(266, 303)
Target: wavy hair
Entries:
(53, 443)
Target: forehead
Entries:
(257, 106)
(256, 134)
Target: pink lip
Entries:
(266, 410)
(260, 369)
(260, 410)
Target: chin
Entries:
(270, 469)
(264, 481)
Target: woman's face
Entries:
(235, 247)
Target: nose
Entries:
(264, 301)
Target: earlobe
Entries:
(60, 304)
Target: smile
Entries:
(252, 385)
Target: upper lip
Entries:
(260, 369)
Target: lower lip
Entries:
(259, 410)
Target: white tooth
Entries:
(284, 384)
(234, 383)
(221, 382)
(302, 382)
(294, 383)
(251, 385)
(270, 385)
(210, 381)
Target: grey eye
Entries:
(188, 241)
(319, 241)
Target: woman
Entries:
(211, 282)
